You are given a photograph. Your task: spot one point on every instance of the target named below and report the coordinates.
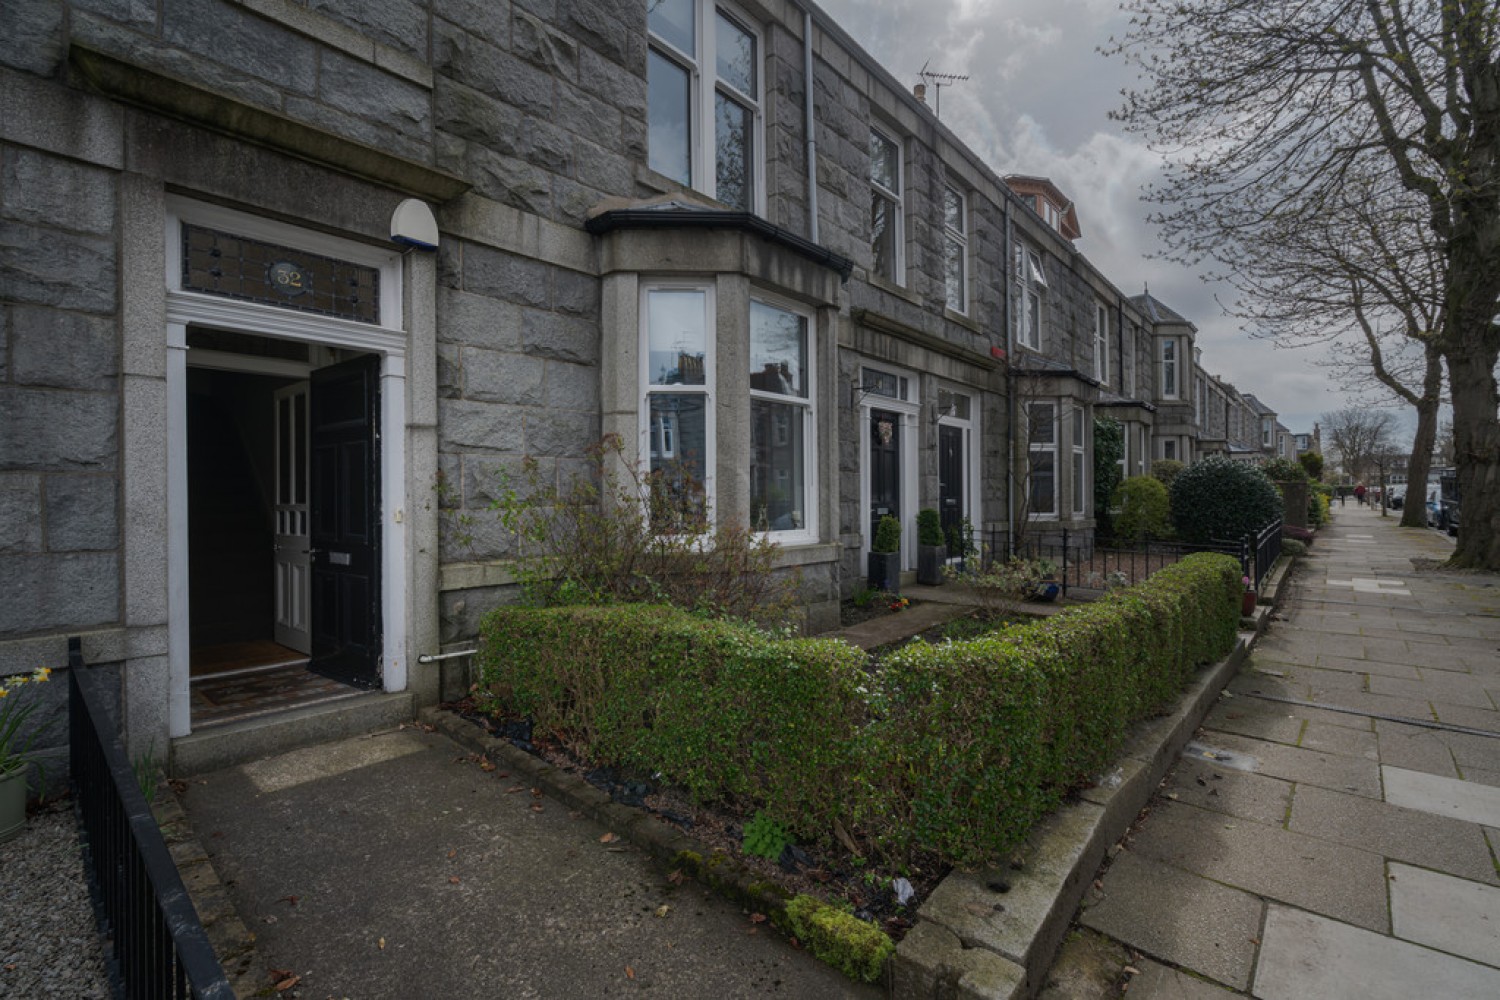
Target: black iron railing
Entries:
(1076, 562)
(159, 945)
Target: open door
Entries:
(293, 591)
(345, 529)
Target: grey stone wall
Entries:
(59, 394)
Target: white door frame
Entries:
(910, 410)
(388, 340)
(970, 427)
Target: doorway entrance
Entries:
(885, 466)
(283, 533)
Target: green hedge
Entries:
(955, 748)
(721, 709)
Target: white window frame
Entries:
(1033, 281)
(959, 238)
(1079, 471)
(1101, 343)
(808, 533)
(1032, 447)
(898, 202)
(1169, 365)
(706, 390)
(703, 85)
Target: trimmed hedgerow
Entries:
(974, 741)
(955, 748)
(724, 710)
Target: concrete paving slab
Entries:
(1414, 748)
(1440, 687)
(1381, 703)
(1259, 720)
(1392, 831)
(1482, 775)
(1326, 685)
(1306, 955)
(1341, 773)
(1343, 882)
(1474, 718)
(1179, 917)
(1234, 793)
(1368, 665)
(1446, 913)
(1325, 738)
(1431, 793)
(473, 891)
(1159, 982)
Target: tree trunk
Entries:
(1476, 438)
(1414, 508)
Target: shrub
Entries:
(1001, 586)
(929, 527)
(1166, 469)
(1217, 498)
(973, 741)
(887, 535)
(1312, 464)
(1282, 470)
(1302, 535)
(953, 749)
(1145, 511)
(1319, 497)
(1292, 549)
(725, 710)
(593, 541)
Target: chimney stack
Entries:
(919, 91)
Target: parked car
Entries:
(1395, 496)
(1448, 502)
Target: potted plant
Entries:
(16, 751)
(885, 556)
(932, 549)
(1047, 587)
(1247, 599)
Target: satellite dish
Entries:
(413, 225)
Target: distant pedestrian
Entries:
(1343, 496)
(1359, 493)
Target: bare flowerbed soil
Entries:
(834, 874)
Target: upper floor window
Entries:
(1169, 368)
(704, 100)
(782, 429)
(1101, 343)
(1033, 281)
(886, 222)
(956, 249)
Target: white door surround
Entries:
(907, 404)
(388, 340)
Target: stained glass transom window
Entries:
(238, 267)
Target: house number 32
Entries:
(287, 278)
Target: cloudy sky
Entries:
(1038, 102)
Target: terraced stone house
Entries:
(286, 286)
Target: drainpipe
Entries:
(812, 125)
(1008, 268)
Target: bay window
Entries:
(1041, 445)
(781, 420)
(1080, 465)
(1169, 368)
(676, 324)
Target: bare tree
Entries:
(1262, 106)
(1360, 436)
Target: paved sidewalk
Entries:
(392, 866)
(1310, 843)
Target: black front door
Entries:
(951, 484)
(345, 532)
(885, 467)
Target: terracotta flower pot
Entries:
(1247, 603)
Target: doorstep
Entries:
(231, 743)
(993, 934)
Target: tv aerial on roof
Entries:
(938, 81)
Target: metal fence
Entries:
(1078, 563)
(159, 945)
